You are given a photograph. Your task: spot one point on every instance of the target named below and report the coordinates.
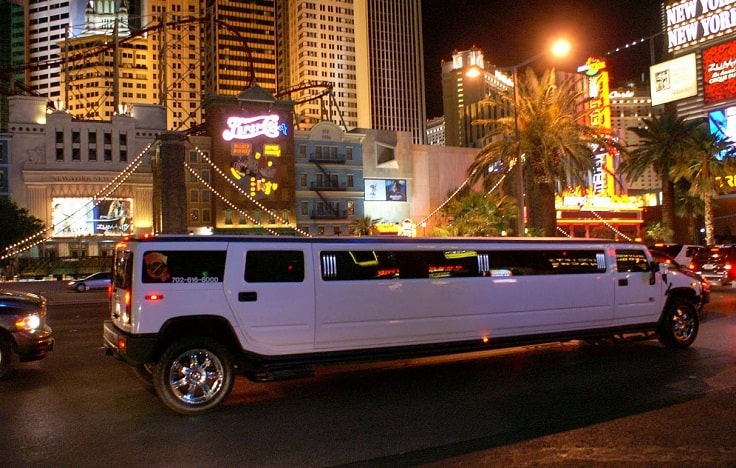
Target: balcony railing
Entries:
(327, 158)
(328, 186)
(328, 214)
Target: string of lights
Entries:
(260, 205)
(226, 201)
(465, 182)
(609, 226)
(39, 237)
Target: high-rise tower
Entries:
(368, 51)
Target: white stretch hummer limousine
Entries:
(189, 312)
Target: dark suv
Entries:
(717, 264)
(23, 328)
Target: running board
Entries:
(286, 373)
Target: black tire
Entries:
(680, 324)
(193, 375)
(6, 356)
(81, 287)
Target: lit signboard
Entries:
(600, 118)
(719, 72)
(246, 128)
(722, 123)
(255, 152)
(385, 189)
(694, 21)
(84, 216)
(673, 80)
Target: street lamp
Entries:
(559, 48)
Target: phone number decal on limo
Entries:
(194, 279)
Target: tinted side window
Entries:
(631, 261)
(545, 262)
(122, 269)
(183, 266)
(274, 266)
(391, 264)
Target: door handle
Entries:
(623, 282)
(247, 296)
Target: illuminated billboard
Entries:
(673, 80)
(719, 72)
(385, 189)
(722, 123)
(691, 22)
(256, 146)
(85, 216)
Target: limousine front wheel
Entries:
(193, 375)
(680, 325)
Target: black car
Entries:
(23, 328)
(716, 263)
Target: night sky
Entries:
(511, 31)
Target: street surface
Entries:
(633, 404)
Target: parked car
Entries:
(99, 280)
(682, 253)
(23, 329)
(716, 263)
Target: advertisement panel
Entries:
(73, 217)
(719, 72)
(256, 145)
(673, 80)
(385, 189)
(722, 123)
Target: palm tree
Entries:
(473, 214)
(704, 166)
(662, 143)
(553, 140)
(364, 226)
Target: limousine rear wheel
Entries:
(193, 375)
(680, 325)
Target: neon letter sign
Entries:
(245, 128)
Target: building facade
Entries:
(355, 63)
(465, 82)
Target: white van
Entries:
(187, 312)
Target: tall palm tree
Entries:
(663, 141)
(552, 135)
(704, 165)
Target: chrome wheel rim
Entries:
(196, 376)
(683, 325)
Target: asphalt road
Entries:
(633, 404)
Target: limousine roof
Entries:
(376, 239)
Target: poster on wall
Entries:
(385, 189)
(84, 216)
(719, 72)
(673, 80)
(722, 124)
